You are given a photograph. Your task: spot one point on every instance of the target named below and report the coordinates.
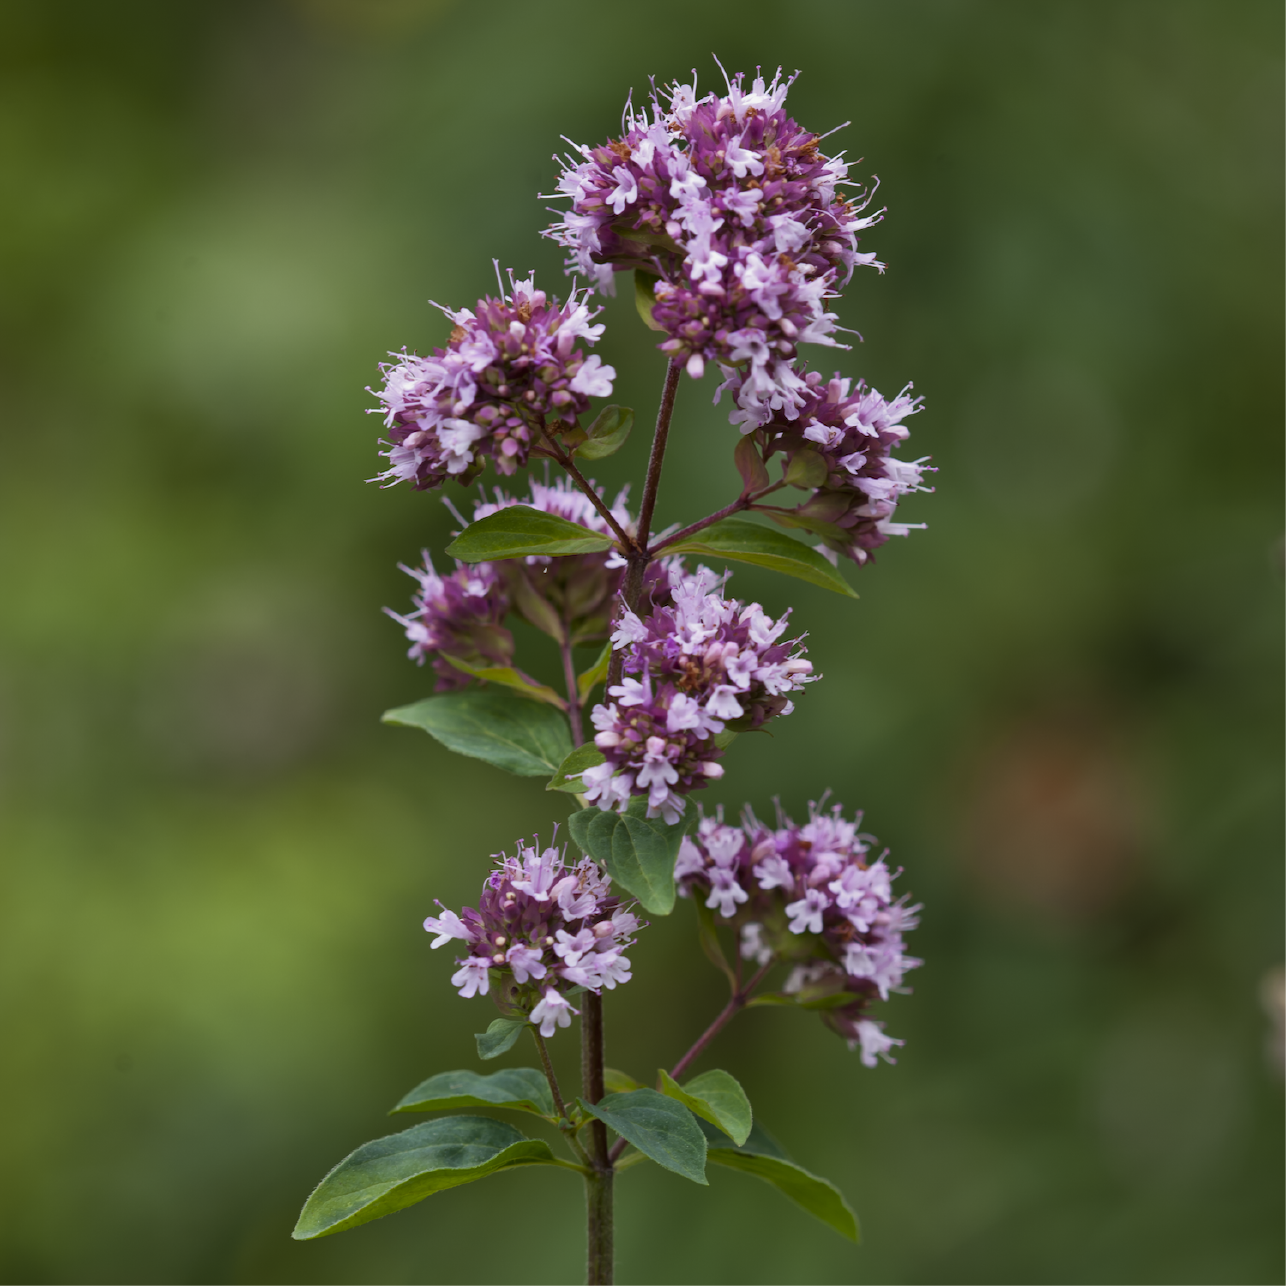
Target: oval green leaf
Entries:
(524, 737)
(637, 852)
(521, 1088)
(747, 542)
(567, 777)
(389, 1174)
(659, 1127)
(716, 1097)
(517, 531)
(499, 1037)
(607, 434)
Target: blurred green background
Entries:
(1059, 705)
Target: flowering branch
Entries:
(735, 223)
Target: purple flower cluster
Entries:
(511, 371)
(734, 210)
(704, 663)
(811, 896)
(457, 615)
(852, 432)
(541, 931)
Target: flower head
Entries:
(810, 896)
(733, 212)
(692, 668)
(542, 931)
(457, 615)
(849, 432)
(512, 369)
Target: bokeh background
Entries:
(1059, 705)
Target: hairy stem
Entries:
(628, 542)
(598, 1184)
(741, 502)
(663, 416)
(632, 585)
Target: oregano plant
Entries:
(739, 233)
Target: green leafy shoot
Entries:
(518, 531)
(389, 1174)
(607, 434)
(521, 1088)
(658, 1127)
(743, 541)
(499, 1037)
(567, 777)
(716, 1097)
(524, 737)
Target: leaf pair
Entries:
(709, 1119)
(519, 531)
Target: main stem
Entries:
(598, 1186)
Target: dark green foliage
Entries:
(524, 737)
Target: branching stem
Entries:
(628, 543)
(736, 1003)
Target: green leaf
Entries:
(659, 1127)
(763, 1157)
(807, 469)
(638, 852)
(596, 674)
(715, 1097)
(521, 736)
(517, 531)
(619, 1082)
(645, 297)
(522, 1088)
(499, 1037)
(508, 677)
(567, 776)
(392, 1173)
(748, 542)
(607, 434)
